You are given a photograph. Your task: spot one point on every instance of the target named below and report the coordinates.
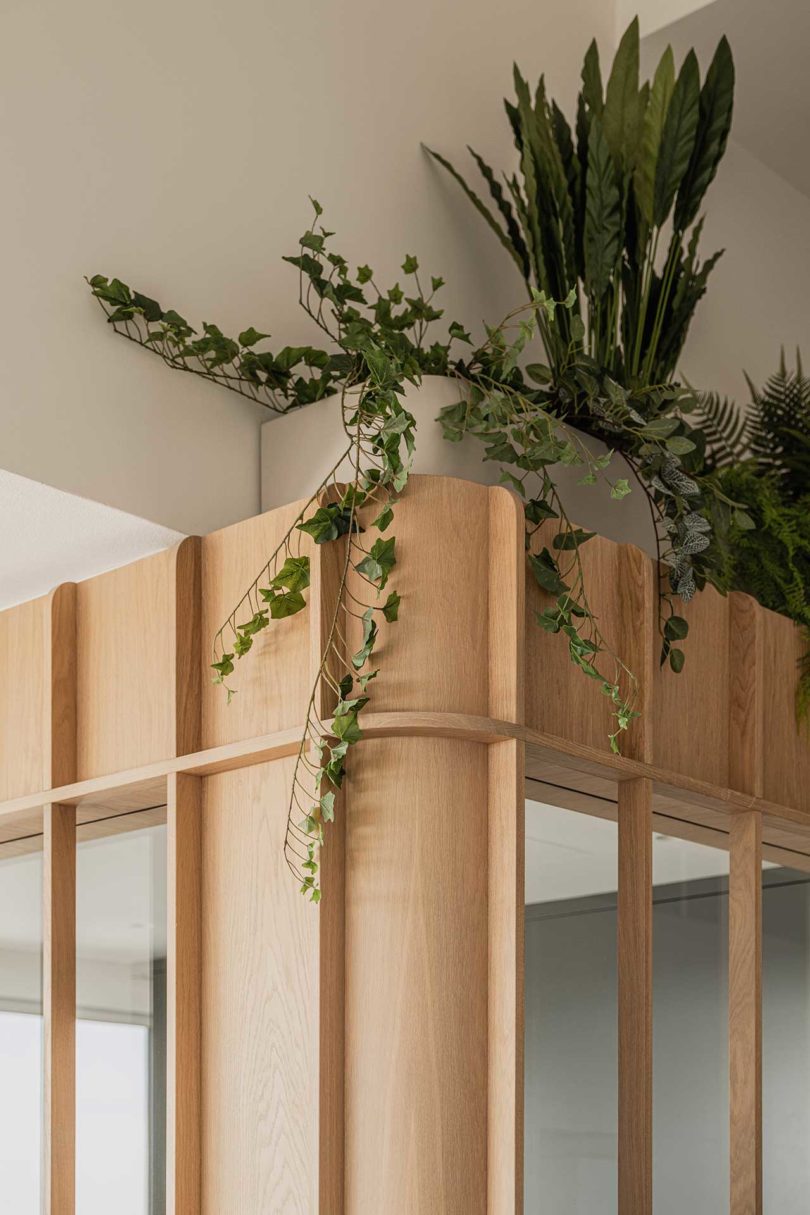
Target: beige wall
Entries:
(174, 143)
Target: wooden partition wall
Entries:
(366, 1055)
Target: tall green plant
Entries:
(608, 206)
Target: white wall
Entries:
(174, 144)
(655, 14)
(758, 298)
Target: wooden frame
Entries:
(358, 1038)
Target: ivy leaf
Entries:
(391, 607)
(567, 541)
(327, 807)
(620, 489)
(328, 523)
(410, 265)
(294, 574)
(249, 337)
(546, 573)
(378, 562)
(224, 667)
(284, 603)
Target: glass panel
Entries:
(121, 1030)
(690, 1027)
(21, 1042)
(571, 1026)
(786, 1038)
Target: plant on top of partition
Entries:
(586, 219)
(761, 457)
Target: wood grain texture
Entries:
(416, 979)
(786, 750)
(507, 845)
(59, 1008)
(272, 682)
(186, 594)
(125, 698)
(507, 606)
(332, 1015)
(183, 984)
(23, 701)
(260, 1033)
(635, 997)
(745, 1014)
(746, 716)
(691, 710)
(638, 608)
(561, 701)
(60, 688)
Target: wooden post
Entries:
(59, 1008)
(745, 1013)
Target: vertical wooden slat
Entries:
(638, 641)
(183, 971)
(332, 1011)
(60, 688)
(187, 645)
(746, 699)
(635, 997)
(59, 1007)
(745, 1013)
(507, 834)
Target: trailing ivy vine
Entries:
(529, 421)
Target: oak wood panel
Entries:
(186, 594)
(332, 1014)
(59, 1008)
(272, 686)
(23, 701)
(260, 1036)
(638, 608)
(416, 979)
(507, 845)
(507, 606)
(635, 997)
(125, 695)
(560, 700)
(183, 980)
(746, 717)
(786, 758)
(60, 688)
(691, 710)
(745, 1014)
(435, 657)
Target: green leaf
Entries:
(679, 445)
(716, 106)
(620, 489)
(592, 80)
(651, 133)
(224, 667)
(364, 274)
(678, 138)
(286, 603)
(294, 574)
(676, 628)
(546, 573)
(328, 523)
(379, 561)
(249, 337)
(327, 807)
(622, 112)
(482, 209)
(572, 539)
(384, 518)
(410, 265)
(676, 660)
(743, 521)
(391, 607)
(603, 220)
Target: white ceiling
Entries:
(48, 536)
(772, 100)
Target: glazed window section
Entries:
(690, 1026)
(21, 1038)
(121, 1021)
(571, 1130)
(785, 1038)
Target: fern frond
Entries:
(726, 428)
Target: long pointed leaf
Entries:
(716, 107)
(592, 80)
(651, 133)
(603, 220)
(482, 209)
(678, 137)
(622, 114)
(503, 205)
